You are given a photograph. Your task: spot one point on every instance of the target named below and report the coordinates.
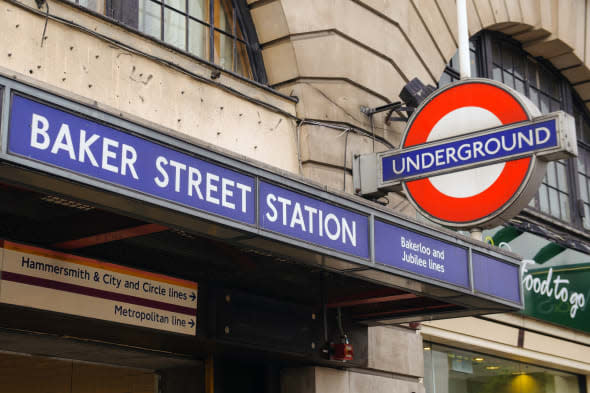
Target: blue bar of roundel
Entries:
(387, 161)
(19, 142)
(496, 278)
(404, 249)
(293, 224)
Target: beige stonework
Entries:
(397, 350)
(325, 380)
(366, 383)
(473, 326)
(133, 84)
(436, 26)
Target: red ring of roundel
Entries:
(463, 210)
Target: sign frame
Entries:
(368, 168)
(359, 265)
(84, 287)
(565, 129)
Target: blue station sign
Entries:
(314, 221)
(421, 254)
(482, 148)
(81, 147)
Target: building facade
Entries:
(254, 105)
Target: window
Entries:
(454, 370)
(451, 72)
(94, 5)
(583, 162)
(219, 31)
(564, 193)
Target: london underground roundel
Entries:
(481, 196)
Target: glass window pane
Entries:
(198, 39)
(586, 132)
(534, 96)
(507, 58)
(579, 127)
(519, 64)
(199, 9)
(545, 80)
(543, 199)
(496, 54)
(473, 64)
(508, 79)
(561, 176)
(583, 188)
(179, 5)
(445, 79)
(564, 205)
(91, 4)
(545, 105)
(533, 202)
(550, 176)
(175, 28)
(455, 61)
(555, 105)
(497, 73)
(549, 83)
(581, 160)
(150, 18)
(556, 90)
(242, 60)
(532, 74)
(223, 14)
(554, 202)
(586, 216)
(519, 86)
(224, 48)
(454, 370)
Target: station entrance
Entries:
(217, 287)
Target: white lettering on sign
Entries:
(48, 280)
(211, 187)
(114, 158)
(421, 255)
(556, 288)
(291, 214)
(467, 151)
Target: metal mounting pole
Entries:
(465, 68)
(464, 62)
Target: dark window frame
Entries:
(126, 13)
(482, 46)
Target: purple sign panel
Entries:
(313, 221)
(92, 149)
(496, 278)
(423, 255)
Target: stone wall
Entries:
(106, 66)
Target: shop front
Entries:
(457, 370)
(542, 345)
